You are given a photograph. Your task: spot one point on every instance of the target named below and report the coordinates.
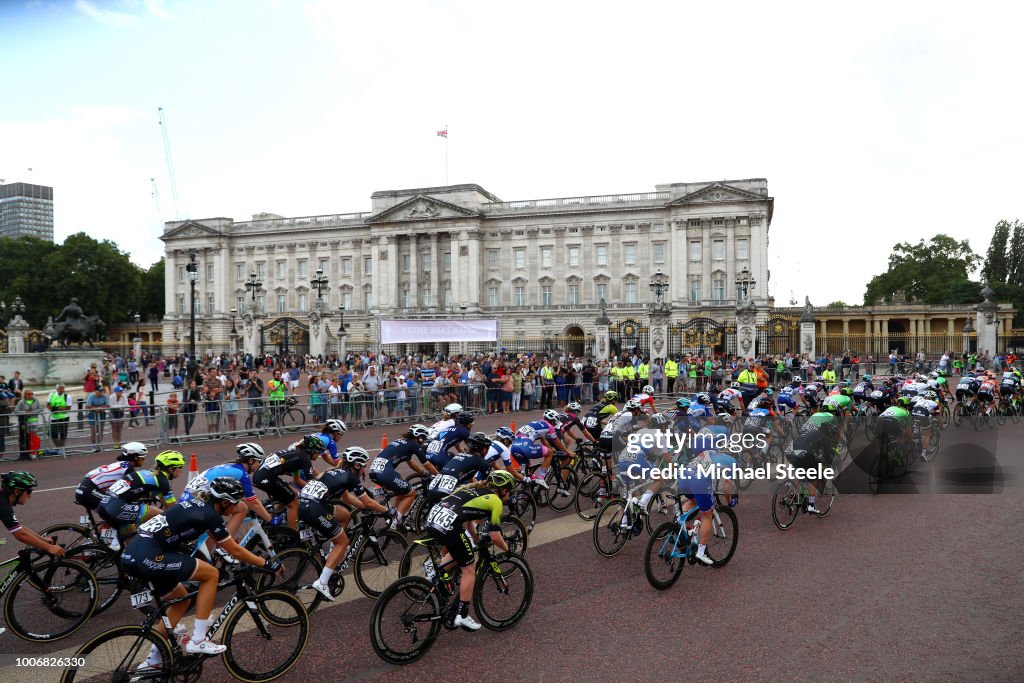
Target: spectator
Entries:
(547, 384)
(657, 375)
(231, 393)
(96, 407)
(172, 414)
(190, 404)
(58, 404)
(30, 416)
(118, 408)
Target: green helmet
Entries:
(500, 479)
(312, 443)
(683, 403)
(904, 402)
(611, 396)
(822, 419)
(168, 459)
(19, 480)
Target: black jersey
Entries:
(403, 450)
(139, 484)
(7, 516)
(184, 522)
(283, 462)
(332, 484)
(459, 470)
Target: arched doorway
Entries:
(575, 340)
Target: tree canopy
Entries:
(99, 274)
(934, 272)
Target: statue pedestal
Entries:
(49, 367)
(807, 339)
(987, 334)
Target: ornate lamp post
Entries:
(234, 332)
(193, 275)
(253, 285)
(319, 283)
(659, 285)
(744, 284)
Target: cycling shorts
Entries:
(116, 512)
(698, 488)
(275, 488)
(984, 395)
(890, 425)
(145, 558)
(922, 415)
(391, 480)
(320, 517)
(524, 450)
(457, 542)
(88, 496)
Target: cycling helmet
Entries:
(683, 403)
(830, 408)
(735, 385)
(797, 379)
(504, 433)
(227, 488)
(659, 420)
(169, 459)
(452, 409)
(904, 401)
(248, 451)
(1016, 372)
(553, 417)
(500, 479)
(312, 443)
(867, 378)
(480, 441)
(19, 480)
(611, 396)
(769, 391)
(574, 407)
(930, 395)
(132, 450)
(336, 426)
(703, 398)
(419, 431)
(354, 455)
(632, 404)
(648, 389)
(846, 391)
(465, 418)
(844, 383)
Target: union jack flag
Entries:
(443, 133)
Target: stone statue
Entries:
(73, 326)
(808, 308)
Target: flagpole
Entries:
(446, 154)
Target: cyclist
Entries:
(331, 434)
(841, 406)
(646, 398)
(93, 487)
(411, 449)
(635, 463)
(317, 509)
(250, 457)
(817, 439)
(863, 388)
(538, 439)
(896, 421)
(702, 410)
(988, 393)
(16, 489)
(123, 508)
(454, 516)
(499, 455)
(438, 451)
(923, 409)
(267, 477)
(448, 421)
(730, 400)
(1010, 384)
(600, 412)
(461, 469)
(158, 553)
(814, 393)
(276, 398)
(571, 422)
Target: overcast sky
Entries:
(873, 123)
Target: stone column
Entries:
(987, 324)
(660, 315)
(250, 329)
(602, 345)
(435, 273)
(807, 346)
(414, 277)
(317, 332)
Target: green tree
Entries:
(99, 274)
(152, 305)
(837, 304)
(1015, 258)
(996, 263)
(925, 272)
(20, 275)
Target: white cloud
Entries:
(106, 16)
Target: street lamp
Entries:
(253, 285)
(744, 284)
(341, 321)
(17, 307)
(319, 283)
(193, 275)
(234, 332)
(659, 285)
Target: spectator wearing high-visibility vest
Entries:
(58, 404)
(547, 383)
(829, 375)
(643, 370)
(671, 373)
(629, 374)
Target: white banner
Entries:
(413, 331)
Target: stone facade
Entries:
(540, 266)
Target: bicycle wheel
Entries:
(503, 592)
(120, 655)
(412, 561)
(929, 453)
(944, 417)
(265, 635)
(282, 537)
(993, 418)
(745, 460)
(377, 561)
(785, 504)
(56, 609)
(405, 621)
(514, 532)
(301, 569)
(102, 561)
(664, 559)
(591, 495)
(563, 489)
(69, 535)
(1001, 410)
(1016, 411)
(661, 508)
(827, 494)
(523, 505)
(958, 415)
(292, 420)
(725, 534)
(609, 534)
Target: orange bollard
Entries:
(193, 467)
(384, 442)
(512, 425)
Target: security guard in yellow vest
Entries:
(616, 374)
(643, 371)
(671, 373)
(629, 376)
(58, 404)
(829, 375)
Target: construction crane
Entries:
(156, 199)
(170, 163)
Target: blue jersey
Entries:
(233, 470)
(535, 429)
(331, 445)
(437, 451)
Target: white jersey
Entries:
(499, 450)
(438, 427)
(104, 477)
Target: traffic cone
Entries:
(193, 467)
(512, 425)
(384, 442)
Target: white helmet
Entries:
(336, 426)
(632, 404)
(648, 389)
(574, 407)
(419, 431)
(133, 449)
(553, 417)
(452, 409)
(355, 455)
(250, 450)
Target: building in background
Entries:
(26, 210)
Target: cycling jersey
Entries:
(139, 484)
(459, 470)
(596, 416)
(646, 401)
(863, 389)
(445, 520)
(893, 421)
(762, 401)
(267, 477)
(924, 408)
(233, 470)
(331, 485)
(568, 424)
(7, 516)
(497, 451)
(92, 488)
(382, 469)
(843, 404)
(438, 449)
(440, 426)
(536, 429)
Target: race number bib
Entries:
(435, 447)
(591, 422)
(119, 487)
(271, 462)
(200, 483)
(442, 518)
(444, 483)
(379, 464)
(140, 600)
(155, 525)
(314, 489)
